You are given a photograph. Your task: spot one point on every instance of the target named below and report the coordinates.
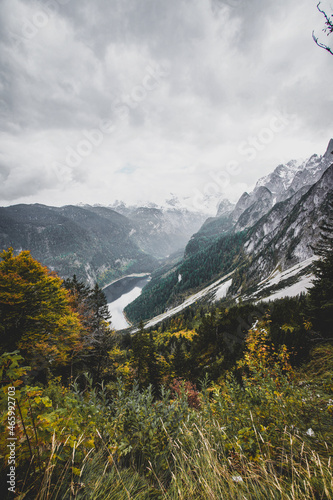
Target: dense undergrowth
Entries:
(224, 403)
(267, 435)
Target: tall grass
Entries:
(269, 437)
(203, 471)
(199, 468)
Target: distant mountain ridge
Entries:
(161, 231)
(94, 242)
(74, 240)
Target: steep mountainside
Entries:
(170, 285)
(288, 181)
(277, 237)
(288, 233)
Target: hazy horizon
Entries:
(135, 100)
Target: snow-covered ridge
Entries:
(170, 204)
(285, 173)
(280, 185)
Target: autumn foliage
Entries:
(207, 406)
(35, 312)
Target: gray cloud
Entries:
(229, 66)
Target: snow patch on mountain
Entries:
(222, 290)
(219, 287)
(278, 276)
(303, 285)
(301, 272)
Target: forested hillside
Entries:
(94, 245)
(234, 401)
(169, 287)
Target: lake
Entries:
(122, 292)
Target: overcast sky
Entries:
(136, 99)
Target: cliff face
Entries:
(287, 183)
(288, 233)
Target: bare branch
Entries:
(328, 21)
(321, 44)
(329, 28)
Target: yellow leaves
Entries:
(119, 365)
(185, 334)
(35, 310)
(90, 443)
(116, 354)
(307, 325)
(162, 338)
(286, 328)
(260, 355)
(72, 441)
(76, 471)
(45, 400)
(33, 392)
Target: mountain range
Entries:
(270, 230)
(249, 245)
(97, 243)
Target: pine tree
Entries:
(98, 305)
(91, 305)
(321, 294)
(144, 358)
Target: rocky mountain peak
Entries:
(225, 207)
(329, 151)
(242, 204)
(263, 192)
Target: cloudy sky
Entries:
(136, 99)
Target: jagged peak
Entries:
(225, 206)
(263, 190)
(244, 196)
(329, 150)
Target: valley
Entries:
(166, 250)
(122, 292)
(154, 261)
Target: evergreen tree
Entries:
(98, 305)
(321, 294)
(91, 304)
(144, 358)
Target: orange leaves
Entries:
(35, 312)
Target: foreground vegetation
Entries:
(222, 403)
